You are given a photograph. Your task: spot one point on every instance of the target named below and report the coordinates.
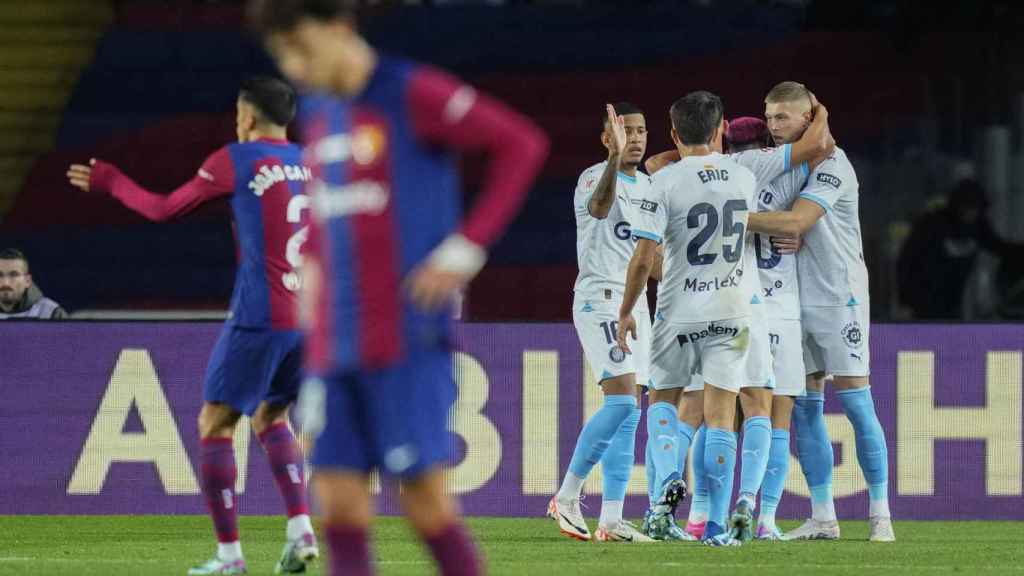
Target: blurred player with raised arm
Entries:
(255, 365)
(604, 202)
(388, 251)
(698, 209)
(835, 321)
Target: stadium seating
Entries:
(46, 43)
(157, 98)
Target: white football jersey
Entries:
(767, 164)
(698, 208)
(778, 183)
(831, 263)
(605, 246)
(780, 286)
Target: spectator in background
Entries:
(941, 252)
(19, 297)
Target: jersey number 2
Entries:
(293, 250)
(730, 228)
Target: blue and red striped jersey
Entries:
(270, 210)
(386, 191)
(265, 180)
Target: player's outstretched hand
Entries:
(786, 245)
(432, 287)
(627, 325)
(79, 174)
(617, 141)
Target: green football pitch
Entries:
(116, 545)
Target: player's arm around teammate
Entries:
(702, 322)
(804, 213)
(789, 224)
(835, 322)
(815, 143)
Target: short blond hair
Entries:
(788, 91)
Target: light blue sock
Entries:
(699, 502)
(686, 433)
(872, 453)
(814, 449)
(595, 438)
(813, 446)
(775, 474)
(652, 494)
(720, 466)
(617, 462)
(663, 438)
(757, 443)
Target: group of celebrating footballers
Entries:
(762, 294)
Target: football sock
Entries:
(686, 434)
(349, 551)
(814, 449)
(757, 443)
(652, 492)
(617, 465)
(719, 467)
(872, 453)
(699, 501)
(775, 476)
(663, 437)
(218, 472)
(286, 463)
(455, 552)
(593, 440)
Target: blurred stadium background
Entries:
(922, 98)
